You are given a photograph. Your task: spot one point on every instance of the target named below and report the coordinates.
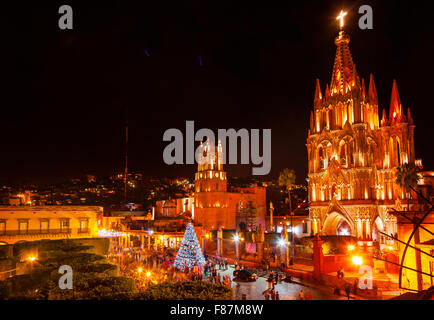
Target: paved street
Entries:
(287, 291)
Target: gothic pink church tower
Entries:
(352, 156)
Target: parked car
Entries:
(243, 275)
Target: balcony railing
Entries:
(12, 233)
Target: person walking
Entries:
(270, 280)
(355, 286)
(266, 294)
(348, 290)
(277, 295)
(301, 294)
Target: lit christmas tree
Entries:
(189, 253)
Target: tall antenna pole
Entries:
(126, 158)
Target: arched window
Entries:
(321, 157)
(372, 153)
(395, 151)
(329, 152)
(343, 150)
(350, 147)
(398, 151)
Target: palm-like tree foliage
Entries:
(287, 180)
(406, 176)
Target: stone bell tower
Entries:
(211, 203)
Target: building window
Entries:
(44, 225)
(304, 227)
(64, 225)
(84, 225)
(2, 226)
(23, 226)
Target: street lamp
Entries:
(237, 249)
(31, 259)
(358, 261)
(147, 282)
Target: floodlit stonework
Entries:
(214, 206)
(352, 155)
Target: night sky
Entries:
(223, 64)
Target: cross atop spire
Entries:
(341, 16)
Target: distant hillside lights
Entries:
(174, 151)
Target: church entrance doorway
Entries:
(337, 224)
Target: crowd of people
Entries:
(272, 280)
(212, 270)
(155, 265)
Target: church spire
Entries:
(384, 121)
(344, 70)
(409, 117)
(327, 91)
(395, 112)
(318, 96)
(372, 90)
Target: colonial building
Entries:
(213, 206)
(352, 155)
(30, 223)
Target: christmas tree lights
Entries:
(189, 254)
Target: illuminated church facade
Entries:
(352, 154)
(213, 206)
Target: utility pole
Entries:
(126, 157)
(292, 239)
(291, 213)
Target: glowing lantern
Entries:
(357, 260)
